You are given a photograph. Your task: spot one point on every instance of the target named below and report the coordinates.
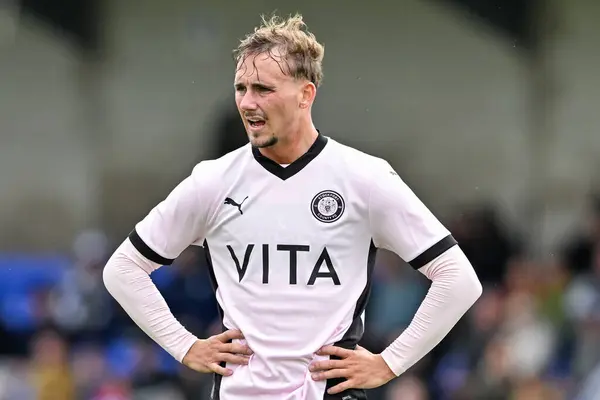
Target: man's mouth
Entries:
(255, 122)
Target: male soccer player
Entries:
(290, 224)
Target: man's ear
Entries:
(307, 95)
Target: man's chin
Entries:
(261, 143)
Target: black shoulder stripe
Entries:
(146, 251)
(433, 252)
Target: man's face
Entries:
(267, 98)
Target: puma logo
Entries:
(229, 201)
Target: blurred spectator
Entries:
(536, 389)
(590, 387)
(52, 377)
(491, 378)
(15, 381)
(485, 321)
(186, 287)
(397, 293)
(407, 387)
(530, 339)
(80, 304)
(578, 253)
(582, 302)
(488, 244)
(89, 370)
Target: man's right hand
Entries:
(206, 354)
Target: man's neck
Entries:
(289, 151)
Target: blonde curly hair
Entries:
(287, 41)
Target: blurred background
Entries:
(485, 107)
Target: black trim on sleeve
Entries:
(146, 251)
(433, 252)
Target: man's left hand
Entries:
(361, 369)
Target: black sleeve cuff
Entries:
(146, 251)
(433, 252)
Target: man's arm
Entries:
(127, 278)
(169, 228)
(401, 223)
(454, 289)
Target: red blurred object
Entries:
(113, 391)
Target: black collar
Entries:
(295, 167)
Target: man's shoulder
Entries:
(359, 160)
(214, 170)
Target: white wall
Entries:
(414, 82)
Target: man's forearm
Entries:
(127, 278)
(454, 289)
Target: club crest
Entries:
(327, 206)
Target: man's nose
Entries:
(248, 102)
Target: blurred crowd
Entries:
(534, 334)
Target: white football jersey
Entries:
(291, 251)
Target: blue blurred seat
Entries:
(122, 357)
(21, 275)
